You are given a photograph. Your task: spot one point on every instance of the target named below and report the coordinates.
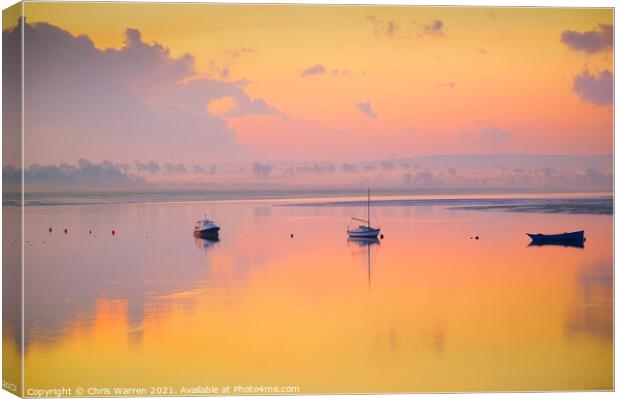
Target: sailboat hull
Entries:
(365, 233)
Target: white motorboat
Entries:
(364, 230)
(206, 228)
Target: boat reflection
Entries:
(574, 244)
(364, 242)
(205, 243)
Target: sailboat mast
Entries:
(368, 207)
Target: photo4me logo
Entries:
(9, 386)
(252, 389)
(238, 390)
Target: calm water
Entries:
(427, 309)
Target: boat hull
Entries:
(371, 233)
(211, 233)
(574, 237)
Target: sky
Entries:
(202, 84)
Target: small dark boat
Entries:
(574, 237)
(206, 229)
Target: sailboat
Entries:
(364, 230)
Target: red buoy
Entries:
(50, 230)
(90, 232)
(113, 232)
(66, 231)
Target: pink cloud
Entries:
(136, 102)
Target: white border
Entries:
(480, 3)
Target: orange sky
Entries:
(500, 70)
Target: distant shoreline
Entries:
(597, 203)
(573, 206)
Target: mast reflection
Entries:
(364, 243)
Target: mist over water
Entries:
(457, 173)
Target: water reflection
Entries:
(205, 243)
(592, 312)
(11, 296)
(573, 244)
(364, 243)
(446, 313)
